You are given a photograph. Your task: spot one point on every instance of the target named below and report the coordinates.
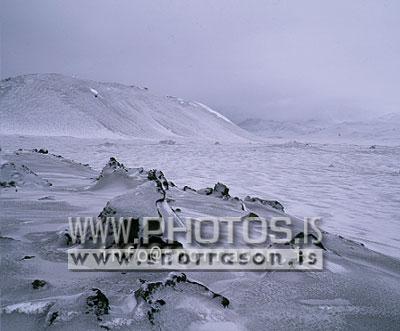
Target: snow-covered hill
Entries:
(380, 130)
(56, 105)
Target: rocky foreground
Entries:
(358, 288)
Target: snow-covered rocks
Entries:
(92, 304)
(63, 172)
(141, 304)
(113, 167)
(115, 175)
(153, 295)
(272, 203)
(130, 208)
(220, 190)
(144, 300)
(14, 175)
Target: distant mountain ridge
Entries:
(57, 105)
(384, 129)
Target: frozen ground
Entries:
(358, 288)
(355, 189)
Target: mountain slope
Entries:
(56, 105)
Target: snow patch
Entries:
(94, 92)
(30, 307)
(214, 112)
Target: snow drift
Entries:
(12, 175)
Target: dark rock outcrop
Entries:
(272, 203)
(148, 292)
(97, 303)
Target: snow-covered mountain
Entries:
(57, 105)
(280, 129)
(380, 130)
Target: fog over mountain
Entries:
(270, 59)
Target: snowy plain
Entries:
(353, 188)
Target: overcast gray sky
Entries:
(272, 59)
